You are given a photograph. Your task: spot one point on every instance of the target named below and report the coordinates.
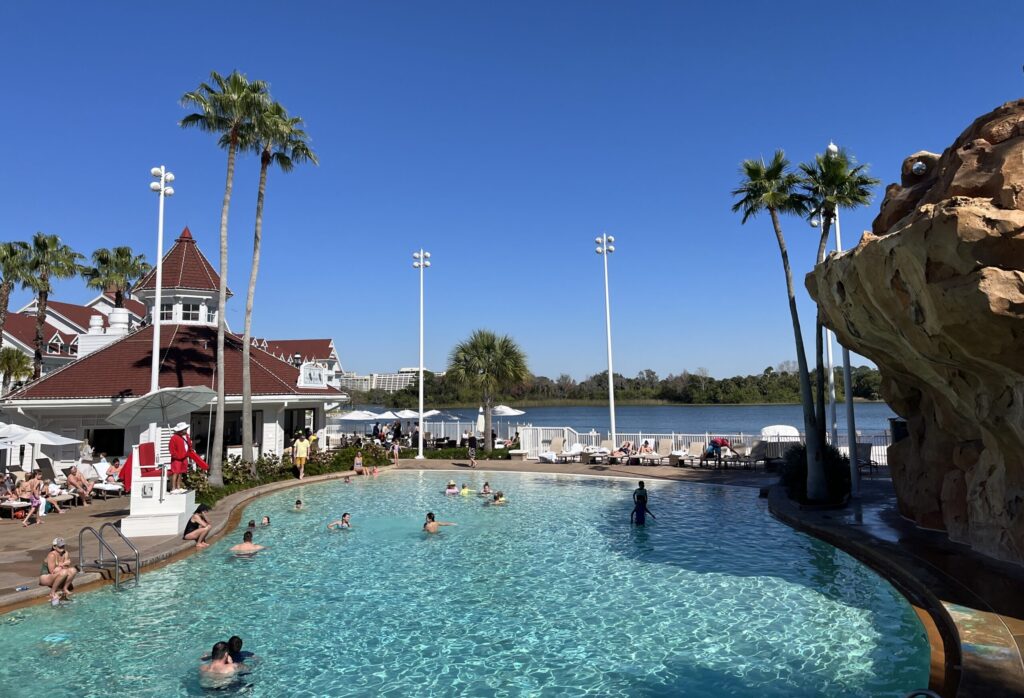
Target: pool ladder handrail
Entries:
(101, 563)
(922, 692)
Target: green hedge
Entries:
(463, 454)
(240, 475)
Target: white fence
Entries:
(536, 440)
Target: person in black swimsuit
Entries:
(640, 510)
(198, 527)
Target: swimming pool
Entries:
(552, 595)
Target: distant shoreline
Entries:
(531, 404)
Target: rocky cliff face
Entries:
(935, 296)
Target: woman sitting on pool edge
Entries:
(198, 527)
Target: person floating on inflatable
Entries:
(182, 452)
(640, 510)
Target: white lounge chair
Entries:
(663, 452)
(694, 452)
(575, 451)
(551, 455)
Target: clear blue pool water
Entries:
(553, 595)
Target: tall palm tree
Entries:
(281, 141)
(487, 363)
(226, 106)
(14, 366)
(829, 183)
(774, 188)
(48, 259)
(14, 270)
(116, 269)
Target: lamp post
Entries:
(605, 246)
(421, 262)
(163, 190)
(851, 423)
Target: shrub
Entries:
(463, 454)
(793, 474)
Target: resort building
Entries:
(76, 399)
(388, 382)
(300, 351)
(20, 332)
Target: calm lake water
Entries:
(688, 419)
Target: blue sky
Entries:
(502, 137)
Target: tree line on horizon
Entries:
(779, 384)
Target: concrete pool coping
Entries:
(943, 630)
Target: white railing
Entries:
(536, 440)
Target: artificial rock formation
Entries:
(935, 296)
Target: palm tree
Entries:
(487, 363)
(48, 259)
(226, 107)
(283, 142)
(14, 366)
(14, 270)
(773, 187)
(116, 269)
(829, 183)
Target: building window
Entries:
(190, 312)
(53, 348)
(166, 312)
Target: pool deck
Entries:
(971, 605)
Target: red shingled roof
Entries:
(22, 327)
(138, 308)
(309, 349)
(184, 266)
(122, 369)
(73, 313)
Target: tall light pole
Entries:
(605, 246)
(163, 190)
(422, 261)
(851, 423)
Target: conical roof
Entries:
(185, 267)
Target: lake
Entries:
(686, 419)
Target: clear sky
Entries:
(502, 136)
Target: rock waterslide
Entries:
(935, 296)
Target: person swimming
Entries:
(265, 521)
(498, 500)
(298, 505)
(640, 511)
(452, 488)
(486, 489)
(465, 491)
(246, 547)
(431, 525)
(343, 523)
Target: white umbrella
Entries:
(505, 411)
(433, 413)
(387, 415)
(480, 422)
(780, 430)
(358, 416)
(408, 414)
(162, 406)
(16, 435)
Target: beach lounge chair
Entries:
(575, 451)
(551, 455)
(694, 453)
(598, 455)
(863, 456)
(663, 452)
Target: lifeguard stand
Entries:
(154, 512)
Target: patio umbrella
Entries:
(387, 415)
(480, 423)
(408, 414)
(16, 435)
(505, 411)
(162, 406)
(358, 416)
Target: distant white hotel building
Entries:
(388, 382)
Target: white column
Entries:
(851, 424)
(605, 247)
(422, 261)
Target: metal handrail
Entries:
(102, 563)
(128, 542)
(922, 692)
